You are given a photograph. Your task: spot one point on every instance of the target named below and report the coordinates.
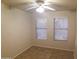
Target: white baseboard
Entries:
(54, 48)
(21, 52)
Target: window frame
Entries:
(67, 29)
(36, 28)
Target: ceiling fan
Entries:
(40, 6)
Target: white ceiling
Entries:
(70, 4)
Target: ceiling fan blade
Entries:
(31, 8)
(46, 7)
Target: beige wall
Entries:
(18, 31)
(50, 42)
(15, 31)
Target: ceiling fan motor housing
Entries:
(40, 2)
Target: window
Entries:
(41, 29)
(61, 28)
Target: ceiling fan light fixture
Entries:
(40, 10)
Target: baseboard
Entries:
(21, 52)
(54, 48)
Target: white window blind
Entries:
(61, 28)
(41, 29)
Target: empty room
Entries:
(38, 29)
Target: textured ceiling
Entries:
(71, 4)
